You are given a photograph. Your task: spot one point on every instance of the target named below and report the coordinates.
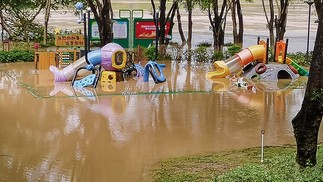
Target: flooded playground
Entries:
(53, 132)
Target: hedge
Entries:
(16, 56)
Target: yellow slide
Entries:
(235, 63)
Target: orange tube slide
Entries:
(235, 63)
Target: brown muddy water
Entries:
(51, 132)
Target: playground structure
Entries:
(112, 58)
(252, 62)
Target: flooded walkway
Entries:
(51, 132)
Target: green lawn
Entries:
(239, 165)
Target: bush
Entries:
(201, 54)
(233, 49)
(151, 52)
(217, 56)
(16, 56)
(300, 58)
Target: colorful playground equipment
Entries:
(112, 58)
(253, 63)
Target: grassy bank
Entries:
(239, 165)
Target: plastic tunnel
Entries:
(235, 63)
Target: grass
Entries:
(239, 165)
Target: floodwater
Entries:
(51, 132)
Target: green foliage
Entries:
(300, 58)
(204, 44)
(16, 56)
(151, 52)
(201, 54)
(217, 56)
(317, 95)
(239, 165)
(278, 168)
(233, 49)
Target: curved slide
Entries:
(235, 63)
(67, 73)
(111, 57)
(155, 71)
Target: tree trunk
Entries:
(104, 15)
(46, 19)
(280, 22)
(236, 11)
(307, 122)
(218, 23)
(270, 22)
(180, 27)
(162, 21)
(171, 19)
(190, 23)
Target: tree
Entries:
(307, 122)
(18, 17)
(46, 20)
(189, 5)
(278, 21)
(163, 19)
(103, 14)
(217, 17)
(236, 12)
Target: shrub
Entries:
(16, 56)
(217, 56)
(151, 52)
(201, 54)
(233, 49)
(300, 58)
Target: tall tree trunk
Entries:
(190, 23)
(270, 22)
(171, 19)
(103, 13)
(307, 122)
(236, 11)
(46, 19)
(280, 22)
(180, 27)
(218, 23)
(162, 21)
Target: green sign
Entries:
(130, 30)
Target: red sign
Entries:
(147, 29)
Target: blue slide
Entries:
(155, 71)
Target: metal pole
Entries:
(157, 35)
(85, 39)
(88, 29)
(262, 145)
(308, 27)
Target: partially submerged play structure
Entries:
(106, 65)
(252, 63)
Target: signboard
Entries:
(145, 32)
(120, 29)
(76, 40)
(94, 30)
(147, 29)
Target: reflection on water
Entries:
(51, 132)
